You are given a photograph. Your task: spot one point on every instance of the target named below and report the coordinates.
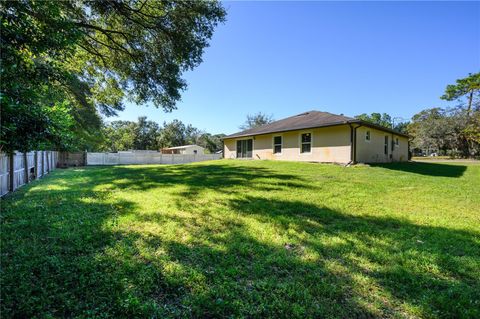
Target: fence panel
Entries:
(45, 167)
(4, 174)
(18, 170)
(24, 169)
(39, 164)
(129, 158)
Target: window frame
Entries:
(281, 144)
(300, 143)
(397, 142)
(385, 145)
(369, 134)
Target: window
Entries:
(306, 143)
(194, 151)
(396, 142)
(367, 136)
(244, 148)
(277, 145)
(385, 149)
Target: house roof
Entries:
(306, 120)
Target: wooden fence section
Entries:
(123, 158)
(21, 168)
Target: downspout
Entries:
(353, 143)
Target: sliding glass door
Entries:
(245, 148)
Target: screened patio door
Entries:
(245, 148)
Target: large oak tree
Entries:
(89, 57)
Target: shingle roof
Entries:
(310, 119)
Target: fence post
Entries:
(11, 171)
(43, 164)
(35, 158)
(48, 164)
(25, 163)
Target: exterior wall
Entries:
(191, 149)
(329, 144)
(188, 150)
(373, 151)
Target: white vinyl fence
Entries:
(20, 168)
(122, 158)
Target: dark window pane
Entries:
(239, 149)
(277, 149)
(277, 140)
(306, 138)
(249, 145)
(306, 148)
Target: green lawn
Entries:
(244, 239)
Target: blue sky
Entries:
(284, 58)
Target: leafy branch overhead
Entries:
(95, 54)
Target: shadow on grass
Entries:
(65, 253)
(430, 169)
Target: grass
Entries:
(244, 239)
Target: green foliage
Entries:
(451, 131)
(469, 122)
(148, 135)
(176, 133)
(441, 130)
(256, 120)
(467, 87)
(244, 239)
(212, 142)
(383, 119)
(93, 55)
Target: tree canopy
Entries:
(454, 130)
(383, 119)
(148, 135)
(256, 120)
(91, 56)
(469, 88)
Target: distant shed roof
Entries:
(306, 120)
(182, 147)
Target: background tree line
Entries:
(453, 131)
(149, 135)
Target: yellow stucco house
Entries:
(319, 137)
